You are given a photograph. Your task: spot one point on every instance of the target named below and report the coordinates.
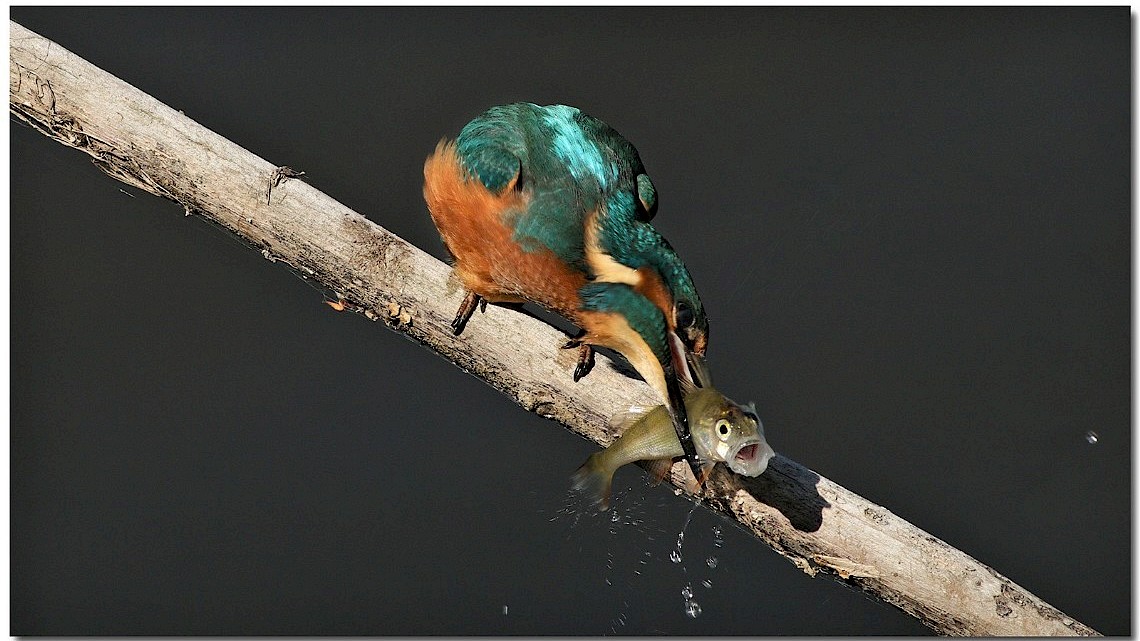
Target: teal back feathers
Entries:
(572, 166)
(567, 162)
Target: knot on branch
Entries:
(398, 317)
(539, 400)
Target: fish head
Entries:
(750, 455)
(734, 435)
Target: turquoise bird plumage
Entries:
(550, 205)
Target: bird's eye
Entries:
(683, 315)
(722, 428)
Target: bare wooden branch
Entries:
(816, 524)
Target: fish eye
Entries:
(683, 314)
(722, 428)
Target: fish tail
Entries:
(594, 480)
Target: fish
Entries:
(723, 431)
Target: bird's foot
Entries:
(585, 356)
(585, 361)
(466, 309)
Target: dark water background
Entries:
(911, 229)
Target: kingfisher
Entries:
(549, 205)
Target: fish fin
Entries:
(694, 485)
(686, 386)
(621, 421)
(658, 470)
(592, 480)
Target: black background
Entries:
(911, 230)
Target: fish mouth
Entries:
(751, 459)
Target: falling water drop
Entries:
(1091, 437)
(718, 539)
(711, 562)
(707, 583)
(692, 609)
(675, 556)
(687, 592)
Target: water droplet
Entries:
(692, 609)
(712, 561)
(675, 556)
(1091, 437)
(504, 609)
(718, 537)
(707, 583)
(687, 592)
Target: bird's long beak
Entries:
(699, 370)
(680, 418)
(678, 383)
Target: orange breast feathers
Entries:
(488, 261)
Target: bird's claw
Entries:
(585, 361)
(585, 355)
(466, 309)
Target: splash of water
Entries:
(675, 555)
(692, 608)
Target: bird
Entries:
(550, 205)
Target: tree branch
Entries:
(817, 524)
